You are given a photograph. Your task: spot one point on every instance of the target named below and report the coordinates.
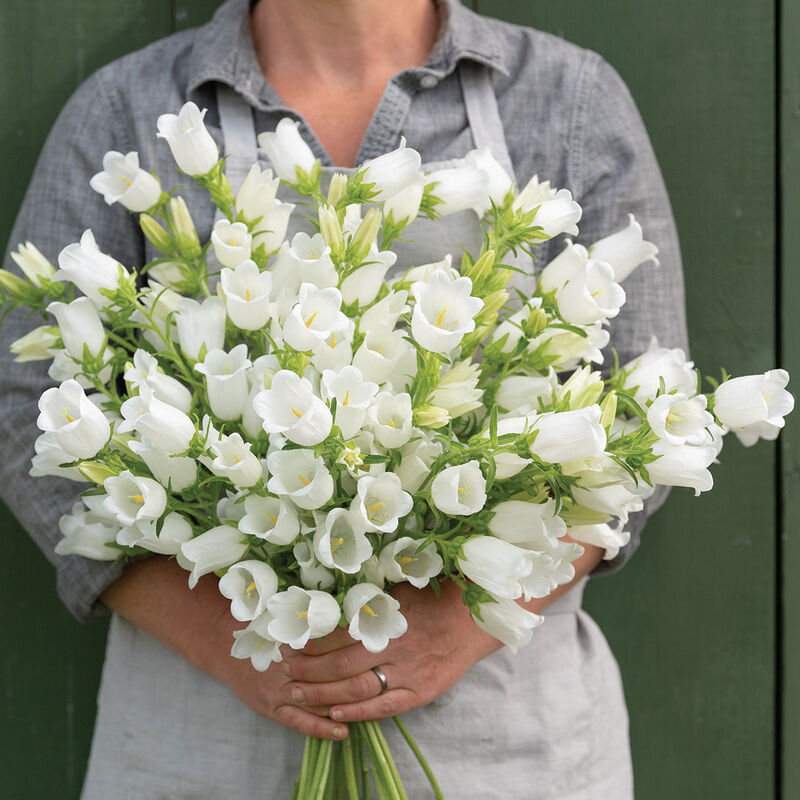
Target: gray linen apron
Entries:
(547, 724)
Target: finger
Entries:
(327, 644)
(338, 665)
(310, 724)
(363, 686)
(393, 702)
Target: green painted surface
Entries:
(692, 618)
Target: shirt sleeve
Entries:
(615, 172)
(58, 207)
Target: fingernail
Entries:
(337, 715)
(339, 732)
(298, 694)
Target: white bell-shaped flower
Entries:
(602, 535)
(679, 419)
(231, 241)
(234, 461)
(340, 540)
(271, 231)
(381, 502)
(259, 377)
(374, 616)
(78, 425)
(300, 614)
(508, 622)
(336, 351)
(416, 458)
(167, 428)
(35, 345)
(287, 150)
(379, 353)
(682, 465)
(133, 499)
(386, 311)
(390, 417)
(559, 215)
(591, 295)
(200, 324)
(353, 396)
(256, 195)
(362, 285)
(248, 585)
(169, 390)
(300, 476)
(568, 264)
(193, 148)
(123, 181)
(175, 530)
(568, 435)
(645, 373)
(214, 549)
(457, 391)
(403, 560)
(499, 184)
(392, 172)
(625, 250)
(49, 458)
(444, 311)
(226, 380)
(423, 272)
(316, 315)
(521, 393)
(247, 295)
(291, 408)
(90, 270)
(80, 326)
(460, 188)
(270, 518)
(522, 523)
(306, 260)
(255, 643)
(495, 565)
(403, 206)
(88, 534)
(459, 490)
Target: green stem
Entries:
(321, 768)
(437, 792)
(361, 762)
(309, 758)
(390, 761)
(383, 774)
(349, 768)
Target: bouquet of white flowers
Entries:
(283, 414)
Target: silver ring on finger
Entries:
(382, 678)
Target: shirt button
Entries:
(428, 81)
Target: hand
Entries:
(441, 645)
(153, 594)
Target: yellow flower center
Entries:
(297, 413)
(137, 498)
(440, 319)
(368, 610)
(311, 319)
(251, 589)
(303, 478)
(67, 416)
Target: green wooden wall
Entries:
(703, 621)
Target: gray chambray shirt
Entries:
(568, 118)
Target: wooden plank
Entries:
(691, 619)
(188, 13)
(789, 120)
(51, 664)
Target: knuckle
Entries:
(363, 685)
(388, 705)
(345, 662)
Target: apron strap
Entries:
(238, 134)
(483, 114)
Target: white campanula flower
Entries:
(568, 264)
(379, 353)
(176, 472)
(300, 476)
(444, 311)
(34, 266)
(226, 380)
(508, 622)
(591, 295)
(255, 643)
(233, 460)
(193, 148)
(570, 348)
(145, 369)
(340, 540)
(386, 311)
(392, 172)
(259, 377)
(291, 408)
(270, 518)
(64, 368)
(255, 197)
(613, 500)
(214, 549)
(416, 458)
(423, 272)
(286, 150)
(123, 181)
(522, 392)
(363, 285)
(301, 614)
(533, 194)
(403, 206)
(335, 351)
(625, 250)
(88, 534)
(350, 458)
(680, 419)
(646, 371)
(36, 345)
(381, 502)
(316, 315)
(271, 231)
(403, 560)
(495, 565)
(175, 530)
(133, 499)
(457, 391)
(568, 435)
(374, 616)
(583, 387)
(167, 427)
(248, 585)
(459, 490)
(510, 331)
(231, 241)
(602, 535)
(230, 507)
(160, 302)
(754, 406)
(499, 184)
(353, 396)
(682, 465)
(80, 326)
(79, 427)
(523, 523)
(90, 270)
(559, 215)
(200, 324)
(390, 417)
(49, 457)
(313, 575)
(306, 260)
(459, 188)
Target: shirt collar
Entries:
(223, 48)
